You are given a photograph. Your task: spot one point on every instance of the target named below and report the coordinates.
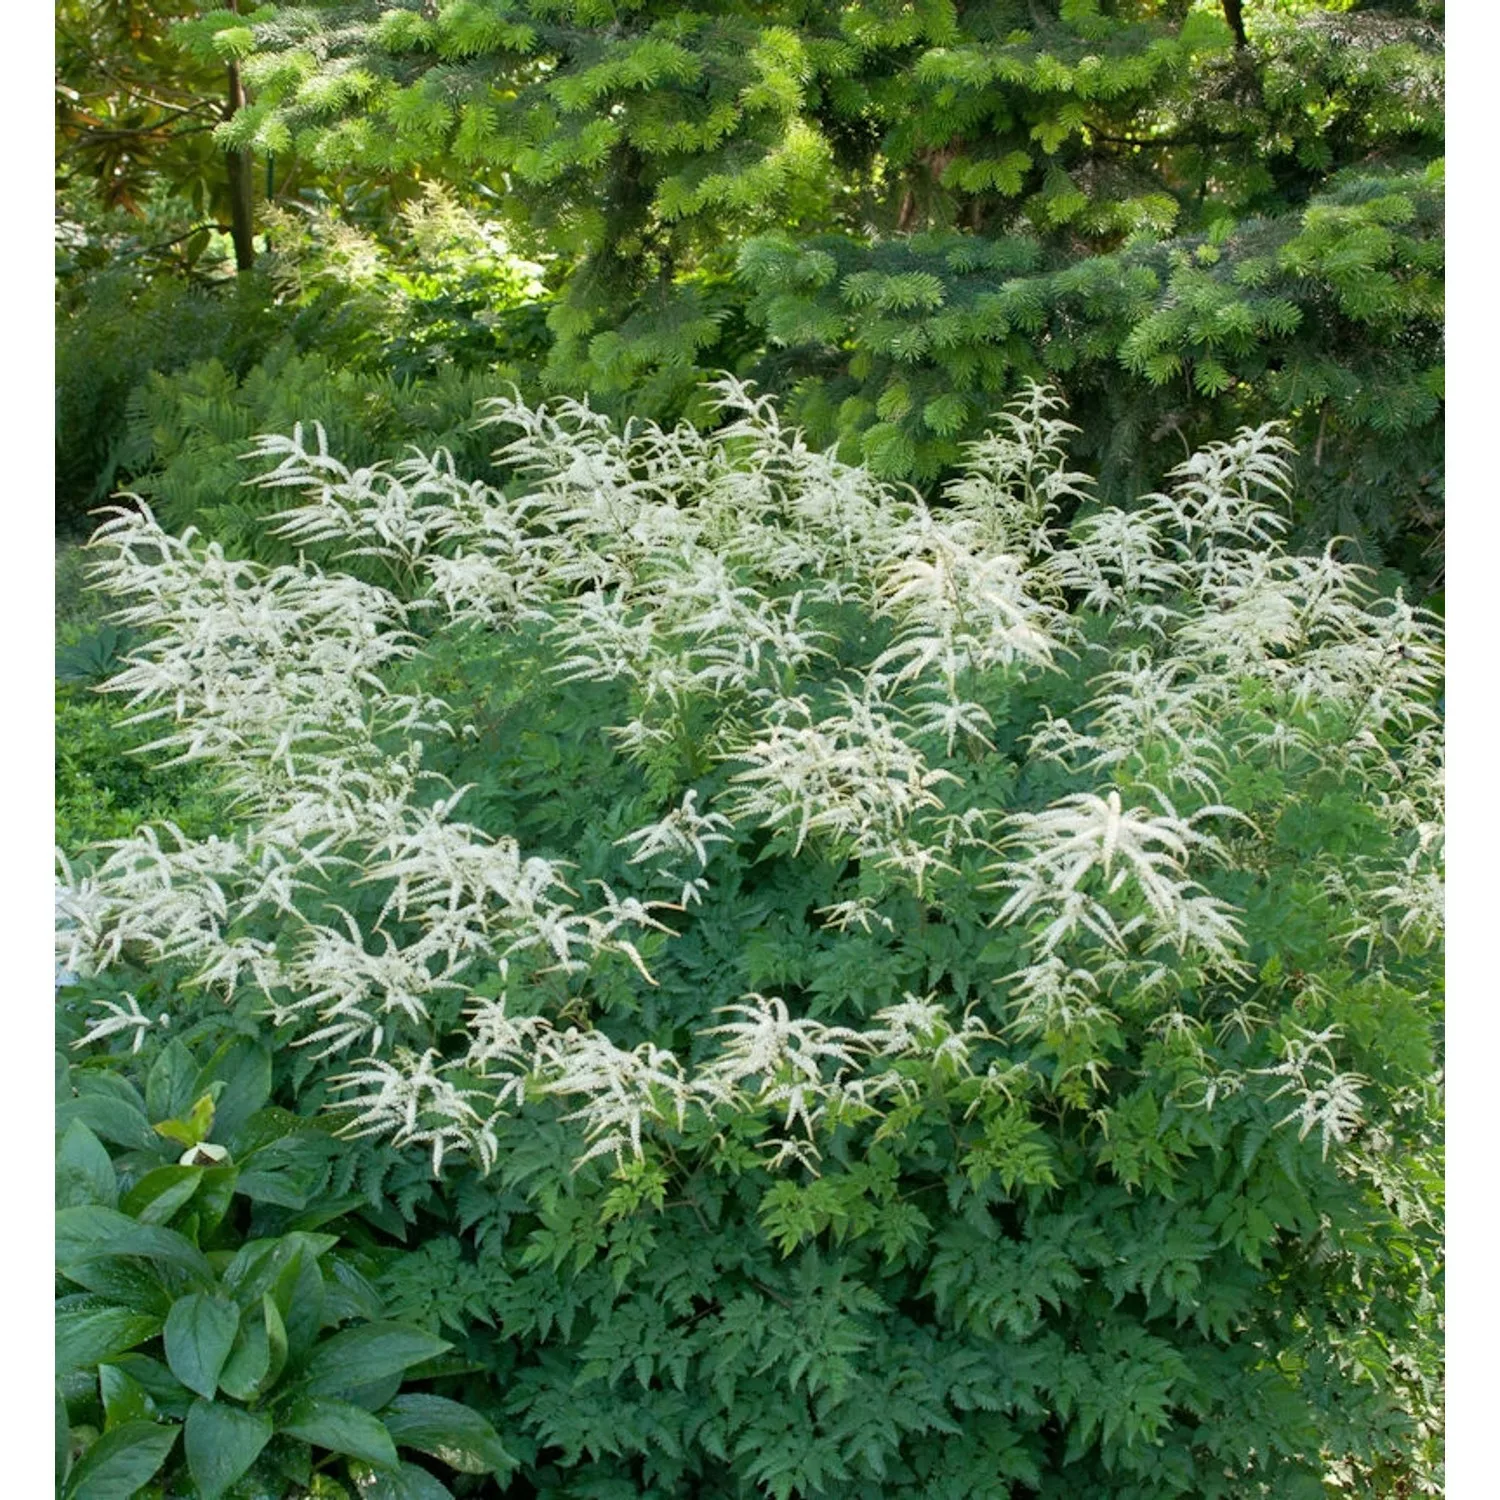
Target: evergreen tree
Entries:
(1185, 212)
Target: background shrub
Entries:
(1186, 215)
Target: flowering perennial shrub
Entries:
(942, 999)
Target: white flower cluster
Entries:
(707, 570)
(766, 1059)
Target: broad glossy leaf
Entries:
(298, 1294)
(342, 1428)
(409, 1482)
(160, 1193)
(62, 1439)
(221, 1443)
(92, 1231)
(124, 1399)
(367, 1353)
(88, 1333)
(215, 1195)
(160, 1384)
(98, 1078)
(272, 1124)
(169, 1084)
(120, 1462)
(192, 1126)
(133, 1283)
(349, 1296)
(276, 1335)
(111, 1120)
(448, 1430)
(246, 1371)
(243, 1067)
(373, 1394)
(198, 1336)
(85, 1173)
(257, 1264)
(326, 1210)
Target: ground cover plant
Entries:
(206, 1351)
(888, 997)
(103, 788)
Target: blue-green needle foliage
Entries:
(1189, 214)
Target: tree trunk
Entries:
(1234, 15)
(241, 179)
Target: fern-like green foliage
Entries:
(386, 339)
(188, 433)
(891, 999)
(116, 325)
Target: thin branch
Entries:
(94, 138)
(134, 90)
(187, 234)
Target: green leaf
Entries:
(221, 1443)
(341, 1428)
(215, 1195)
(85, 1173)
(136, 1284)
(247, 1372)
(298, 1294)
(124, 1399)
(190, 1128)
(92, 1232)
(86, 1334)
(367, 1353)
(276, 1339)
(409, 1482)
(241, 1070)
(169, 1084)
(120, 1462)
(257, 1264)
(110, 1118)
(448, 1430)
(170, 1396)
(372, 1395)
(160, 1193)
(62, 1438)
(198, 1336)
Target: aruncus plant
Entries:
(714, 579)
(998, 937)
